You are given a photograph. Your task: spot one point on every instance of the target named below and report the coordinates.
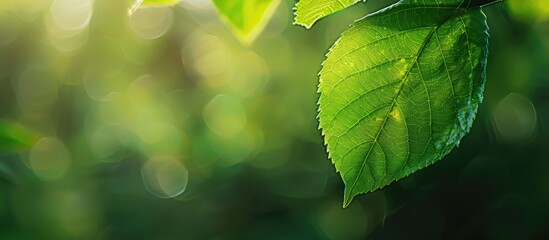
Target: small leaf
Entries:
(150, 3)
(307, 12)
(400, 89)
(247, 18)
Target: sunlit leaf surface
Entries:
(399, 90)
(307, 12)
(246, 18)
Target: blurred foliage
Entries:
(158, 2)
(162, 125)
(15, 137)
(529, 10)
(246, 18)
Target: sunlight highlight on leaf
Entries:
(150, 3)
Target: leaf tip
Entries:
(254, 27)
(348, 197)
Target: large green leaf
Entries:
(247, 18)
(307, 12)
(400, 89)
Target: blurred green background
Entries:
(161, 125)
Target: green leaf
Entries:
(307, 12)
(400, 89)
(15, 137)
(247, 18)
(150, 3)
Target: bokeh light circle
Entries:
(165, 177)
(49, 159)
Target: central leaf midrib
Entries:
(399, 90)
